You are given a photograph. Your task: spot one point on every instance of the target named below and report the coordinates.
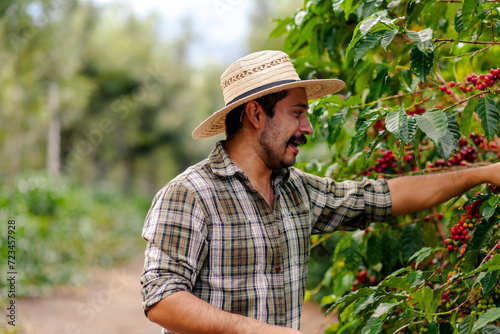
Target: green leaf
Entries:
(486, 318)
(281, 27)
(353, 42)
(480, 233)
(408, 129)
(416, 146)
(433, 327)
(434, 123)
(454, 128)
(391, 249)
(487, 212)
(415, 277)
(470, 261)
(307, 29)
(373, 250)
(422, 298)
(494, 200)
(459, 24)
(411, 240)
(370, 6)
(490, 329)
(468, 7)
(414, 85)
(393, 4)
(368, 24)
(491, 265)
(423, 39)
(421, 63)
(393, 121)
(387, 38)
(421, 255)
(448, 144)
(489, 281)
(335, 125)
(465, 327)
(352, 255)
(396, 283)
(467, 116)
(489, 207)
(376, 321)
(350, 298)
(367, 304)
(373, 144)
(349, 6)
(362, 130)
(472, 57)
(489, 115)
(368, 42)
(337, 6)
(398, 57)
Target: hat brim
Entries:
(316, 88)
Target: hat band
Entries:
(260, 89)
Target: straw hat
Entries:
(256, 75)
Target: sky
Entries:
(219, 26)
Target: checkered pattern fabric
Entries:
(211, 233)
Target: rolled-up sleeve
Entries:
(348, 205)
(176, 233)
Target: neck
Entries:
(246, 158)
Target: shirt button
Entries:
(279, 232)
(277, 269)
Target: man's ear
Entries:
(255, 114)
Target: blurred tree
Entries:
(95, 93)
(262, 23)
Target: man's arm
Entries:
(416, 193)
(182, 312)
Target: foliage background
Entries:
(412, 105)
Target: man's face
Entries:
(283, 133)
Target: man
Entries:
(228, 239)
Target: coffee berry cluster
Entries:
(363, 279)
(487, 302)
(459, 233)
(451, 295)
(494, 189)
(417, 110)
(386, 162)
(465, 153)
(473, 81)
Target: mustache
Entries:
(298, 140)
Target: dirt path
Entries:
(110, 304)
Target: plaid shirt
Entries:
(211, 233)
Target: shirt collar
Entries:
(223, 165)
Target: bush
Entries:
(421, 96)
(62, 229)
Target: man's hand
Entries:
(416, 193)
(184, 313)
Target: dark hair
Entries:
(268, 104)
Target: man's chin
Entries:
(289, 162)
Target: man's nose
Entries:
(305, 126)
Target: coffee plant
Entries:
(422, 82)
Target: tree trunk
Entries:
(54, 135)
